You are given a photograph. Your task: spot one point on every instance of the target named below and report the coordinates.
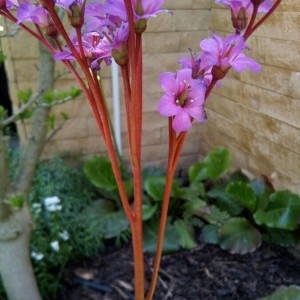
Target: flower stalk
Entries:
(113, 30)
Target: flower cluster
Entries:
(103, 27)
(187, 89)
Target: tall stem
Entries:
(175, 147)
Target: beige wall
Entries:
(257, 116)
(254, 115)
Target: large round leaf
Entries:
(237, 235)
(283, 211)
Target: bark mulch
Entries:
(206, 272)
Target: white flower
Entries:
(64, 235)
(37, 256)
(52, 203)
(55, 245)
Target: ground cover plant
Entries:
(113, 30)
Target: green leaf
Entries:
(223, 201)
(51, 121)
(155, 186)
(291, 292)
(262, 189)
(103, 216)
(99, 171)
(237, 235)
(197, 172)
(213, 215)
(148, 211)
(217, 162)
(243, 194)
(186, 234)
(192, 192)
(194, 206)
(283, 211)
(210, 233)
(281, 237)
(24, 95)
(64, 115)
(171, 240)
(17, 201)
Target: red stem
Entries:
(262, 20)
(175, 147)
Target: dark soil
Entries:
(206, 272)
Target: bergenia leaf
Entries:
(186, 233)
(155, 186)
(210, 233)
(283, 211)
(99, 171)
(291, 292)
(243, 194)
(217, 162)
(237, 235)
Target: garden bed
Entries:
(206, 272)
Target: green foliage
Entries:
(291, 292)
(57, 237)
(234, 212)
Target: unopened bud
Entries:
(51, 30)
(76, 14)
(219, 73)
(120, 56)
(240, 21)
(140, 26)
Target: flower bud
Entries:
(240, 21)
(76, 15)
(120, 55)
(219, 73)
(51, 30)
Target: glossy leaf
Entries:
(281, 237)
(217, 162)
(210, 234)
(186, 234)
(103, 215)
(197, 172)
(223, 201)
(291, 292)
(148, 211)
(155, 187)
(283, 211)
(171, 240)
(237, 235)
(243, 194)
(99, 171)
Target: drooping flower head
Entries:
(183, 99)
(142, 10)
(226, 53)
(74, 9)
(242, 9)
(36, 14)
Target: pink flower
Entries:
(199, 65)
(183, 99)
(142, 9)
(227, 52)
(236, 5)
